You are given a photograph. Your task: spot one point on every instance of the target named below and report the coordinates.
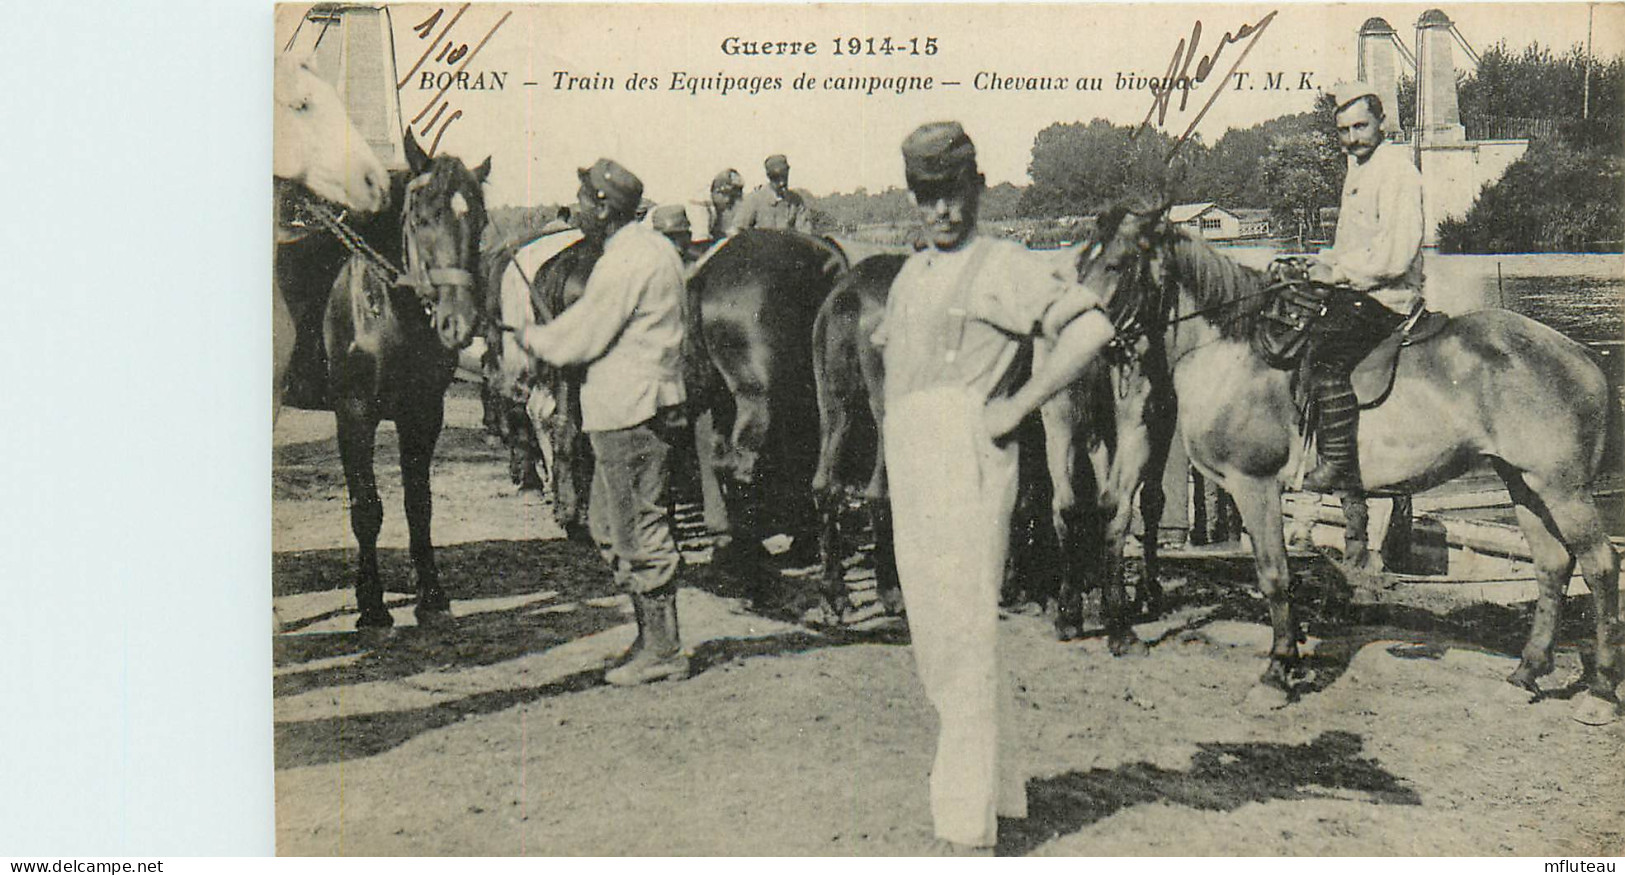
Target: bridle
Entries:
(423, 281)
(1149, 311)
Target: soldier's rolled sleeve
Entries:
(1073, 303)
(1035, 298)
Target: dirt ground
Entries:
(498, 736)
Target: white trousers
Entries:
(952, 493)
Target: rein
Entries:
(1131, 327)
(420, 280)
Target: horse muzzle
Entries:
(447, 296)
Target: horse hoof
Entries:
(1264, 698)
(1127, 645)
(1066, 630)
(374, 636)
(433, 617)
(1523, 677)
(1594, 710)
(374, 619)
(818, 611)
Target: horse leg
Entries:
(1119, 612)
(741, 491)
(1554, 565)
(357, 427)
(417, 431)
(705, 450)
(887, 584)
(572, 465)
(829, 500)
(283, 336)
(1033, 567)
(1259, 502)
(1562, 527)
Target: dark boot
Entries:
(1337, 439)
(661, 656)
(640, 610)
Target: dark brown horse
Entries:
(318, 157)
(748, 353)
(1493, 384)
(392, 345)
(1078, 474)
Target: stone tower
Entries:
(1438, 119)
(1376, 67)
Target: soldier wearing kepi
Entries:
(727, 188)
(774, 205)
(671, 221)
(1376, 259)
(955, 318)
(628, 330)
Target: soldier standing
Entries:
(628, 330)
(955, 318)
(774, 205)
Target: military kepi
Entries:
(613, 184)
(938, 152)
(669, 219)
(776, 165)
(728, 180)
(1345, 93)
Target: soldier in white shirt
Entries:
(628, 330)
(1376, 259)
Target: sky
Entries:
(839, 140)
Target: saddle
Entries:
(1373, 377)
(1297, 309)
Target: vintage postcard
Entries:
(898, 430)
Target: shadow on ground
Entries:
(488, 569)
(1325, 610)
(1221, 777)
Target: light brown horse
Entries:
(1492, 385)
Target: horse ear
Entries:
(416, 158)
(484, 170)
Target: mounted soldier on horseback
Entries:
(1367, 285)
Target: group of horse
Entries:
(778, 356)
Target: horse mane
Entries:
(1228, 294)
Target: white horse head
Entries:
(315, 143)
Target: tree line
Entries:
(1566, 193)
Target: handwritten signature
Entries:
(451, 52)
(1179, 76)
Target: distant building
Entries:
(1214, 222)
(1254, 223)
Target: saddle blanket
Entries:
(521, 272)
